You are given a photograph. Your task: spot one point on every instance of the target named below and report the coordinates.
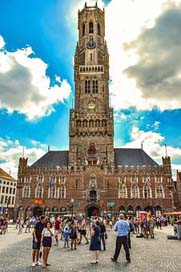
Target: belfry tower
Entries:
(91, 128)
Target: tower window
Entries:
(95, 86)
(83, 29)
(87, 86)
(91, 27)
(98, 29)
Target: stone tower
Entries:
(91, 128)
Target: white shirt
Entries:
(46, 233)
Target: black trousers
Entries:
(103, 240)
(122, 240)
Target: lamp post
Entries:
(111, 204)
(72, 205)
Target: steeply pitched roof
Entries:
(5, 175)
(132, 157)
(52, 159)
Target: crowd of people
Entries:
(73, 231)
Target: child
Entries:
(66, 232)
(73, 235)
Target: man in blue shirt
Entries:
(122, 228)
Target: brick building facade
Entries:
(93, 176)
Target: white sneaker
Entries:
(97, 261)
(38, 263)
(93, 262)
(33, 264)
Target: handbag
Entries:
(106, 237)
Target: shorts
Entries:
(47, 241)
(36, 245)
(83, 232)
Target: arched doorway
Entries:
(92, 210)
(149, 209)
(37, 211)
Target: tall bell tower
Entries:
(91, 128)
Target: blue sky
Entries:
(37, 44)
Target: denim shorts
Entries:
(36, 245)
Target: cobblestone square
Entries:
(159, 254)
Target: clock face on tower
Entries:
(91, 105)
(91, 44)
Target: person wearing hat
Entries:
(122, 228)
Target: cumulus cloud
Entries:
(2, 42)
(158, 70)
(152, 143)
(24, 85)
(143, 40)
(12, 150)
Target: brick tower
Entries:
(91, 121)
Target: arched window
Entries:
(97, 123)
(147, 191)
(26, 191)
(62, 193)
(91, 123)
(159, 191)
(122, 190)
(91, 27)
(87, 86)
(98, 29)
(134, 191)
(96, 87)
(52, 191)
(83, 29)
(93, 181)
(39, 191)
(85, 123)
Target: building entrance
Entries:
(92, 210)
(37, 211)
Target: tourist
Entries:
(28, 225)
(82, 230)
(151, 227)
(103, 233)
(46, 241)
(73, 235)
(66, 232)
(122, 228)
(95, 243)
(20, 225)
(37, 241)
(57, 226)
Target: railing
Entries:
(91, 68)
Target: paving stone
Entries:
(152, 255)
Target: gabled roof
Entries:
(132, 157)
(5, 175)
(52, 159)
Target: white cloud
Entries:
(25, 87)
(153, 145)
(11, 151)
(126, 22)
(2, 42)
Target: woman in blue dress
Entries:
(95, 244)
